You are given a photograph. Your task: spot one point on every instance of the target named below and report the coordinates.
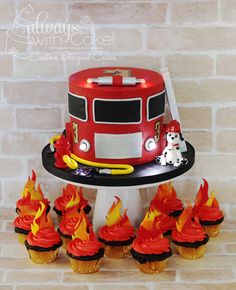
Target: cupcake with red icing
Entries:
(118, 233)
(32, 197)
(166, 195)
(70, 218)
(43, 242)
(166, 222)
(150, 249)
(68, 192)
(208, 211)
(84, 251)
(189, 237)
(23, 222)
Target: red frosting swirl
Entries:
(206, 213)
(61, 202)
(191, 233)
(166, 223)
(116, 233)
(33, 203)
(152, 245)
(45, 238)
(24, 222)
(172, 205)
(67, 226)
(79, 248)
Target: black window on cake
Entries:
(117, 111)
(77, 106)
(156, 106)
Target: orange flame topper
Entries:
(41, 220)
(29, 189)
(114, 216)
(166, 191)
(81, 229)
(184, 218)
(149, 222)
(203, 199)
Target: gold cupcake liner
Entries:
(152, 267)
(22, 238)
(85, 267)
(43, 257)
(213, 230)
(117, 252)
(65, 242)
(190, 253)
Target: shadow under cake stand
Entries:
(126, 187)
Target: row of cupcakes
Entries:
(149, 247)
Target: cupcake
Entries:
(23, 222)
(84, 251)
(189, 237)
(61, 202)
(43, 241)
(208, 211)
(150, 249)
(118, 233)
(166, 222)
(166, 195)
(70, 218)
(32, 197)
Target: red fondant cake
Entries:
(116, 115)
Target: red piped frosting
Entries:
(188, 228)
(149, 238)
(24, 222)
(84, 241)
(166, 198)
(157, 220)
(206, 208)
(42, 232)
(71, 215)
(117, 228)
(30, 196)
(68, 192)
(45, 238)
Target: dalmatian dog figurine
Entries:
(172, 153)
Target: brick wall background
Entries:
(196, 40)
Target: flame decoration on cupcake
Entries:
(114, 216)
(81, 231)
(166, 191)
(185, 218)
(41, 220)
(150, 220)
(203, 199)
(29, 189)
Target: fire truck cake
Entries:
(116, 120)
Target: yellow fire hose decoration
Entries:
(107, 168)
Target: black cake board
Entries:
(144, 175)
(126, 187)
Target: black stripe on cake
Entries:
(41, 249)
(212, 223)
(192, 245)
(63, 235)
(96, 256)
(143, 258)
(21, 231)
(117, 243)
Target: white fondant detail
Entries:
(118, 146)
